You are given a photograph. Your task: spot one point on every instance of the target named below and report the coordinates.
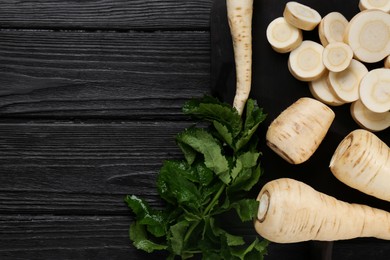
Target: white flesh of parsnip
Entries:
(282, 36)
(368, 119)
(345, 84)
(362, 161)
(368, 34)
(383, 5)
(301, 16)
(240, 14)
(375, 90)
(321, 91)
(332, 28)
(305, 62)
(337, 56)
(291, 211)
(299, 130)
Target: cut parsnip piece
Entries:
(368, 34)
(345, 84)
(362, 161)
(320, 90)
(332, 28)
(383, 5)
(298, 131)
(367, 119)
(305, 62)
(282, 36)
(301, 16)
(337, 56)
(387, 62)
(375, 90)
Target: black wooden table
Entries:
(90, 98)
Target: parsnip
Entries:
(332, 28)
(368, 34)
(368, 119)
(240, 14)
(291, 211)
(298, 131)
(362, 161)
(383, 5)
(345, 84)
(387, 62)
(282, 36)
(337, 56)
(375, 90)
(321, 91)
(301, 16)
(305, 62)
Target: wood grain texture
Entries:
(106, 14)
(101, 74)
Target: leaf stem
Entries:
(215, 199)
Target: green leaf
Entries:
(211, 109)
(254, 115)
(249, 159)
(138, 235)
(231, 240)
(246, 180)
(155, 221)
(205, 175)
(246, 209)
(178, 232)
(224, 132)
(256, 250)
(174, 186)
(188, 152)
(204, 143)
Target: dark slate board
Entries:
(275, 89)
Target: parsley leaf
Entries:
(220, 166)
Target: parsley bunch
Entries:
(220, 166)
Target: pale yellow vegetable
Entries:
(383, 5)
(362, 161)
(387, 62)
(375, 90)
(305, 62)
(240, 14)
(298, 131)
(301, 16)
(337, 56)
(291, 211)
(368, 119)
(345, 84)
(282, 36)
(332, 28)
(321, 91)
(368, 34)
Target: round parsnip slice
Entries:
(387, 62)
(368, 34)
(282, 36)
(301, 16)
(337, 56)
(321, 91)
(375, 90)
(305, 62)
(345, 84)
(299, 130)
(332, 28)
(367, 119)
(383, 5)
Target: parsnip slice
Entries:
(383, 5)
(282, 36)
(305, 62)
(345, 84)
(368, 34)
(375, 90)
(321, 91)
(337, 56)
(367, 119)
(387, 62)
(332, 28)
(301, 16)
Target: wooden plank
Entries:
(106, 14)
(105, 74)
(83, 168)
